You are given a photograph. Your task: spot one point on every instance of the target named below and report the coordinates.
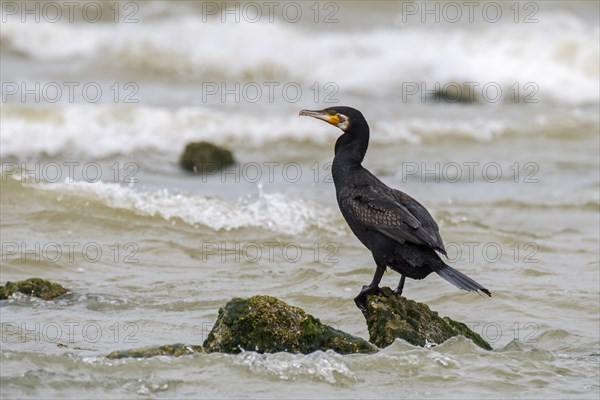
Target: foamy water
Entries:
(274, 211)
(559, 52)
(69, 130)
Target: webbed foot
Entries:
(361, 299)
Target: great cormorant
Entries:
(398, 230)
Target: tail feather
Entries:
(459, 279)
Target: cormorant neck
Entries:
(351, 147)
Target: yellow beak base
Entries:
(322, 115)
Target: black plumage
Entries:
(398, 230)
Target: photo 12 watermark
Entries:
(268, 172)
(69, 252)
(282, 335)
(317, 12)
(269, 252)
(69, 11)
(469, 92)
(69, 332)
(469, 171)
(268, 92)
(454, 12)
(70, 172)
(69, 92)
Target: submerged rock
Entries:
(175, 350)
(205, 157)
(268, 325)
(35, 287)
(453, 92)
(390, 317)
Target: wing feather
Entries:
(394, 214)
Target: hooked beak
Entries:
(322, 115)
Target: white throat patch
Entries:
(344, 124)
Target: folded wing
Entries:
(394, 214)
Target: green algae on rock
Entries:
(389, 317)
(205, 157)
(35, 287)
(175, 350)
(268, 325)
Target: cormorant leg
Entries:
(373, 287)
(400, 285)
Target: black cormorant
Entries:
(398, 230)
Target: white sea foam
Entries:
(559, 53)
(97, 131)
(273, 211)
(327, 366)
(100, 131)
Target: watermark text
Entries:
(453, 12)
(70, 11)
(70, 332)
(70, 252)
(255, 252)
(71, 92)
(256, 92)
(271, 11)
(70, 171)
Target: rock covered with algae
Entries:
(175, 350)
(35, 287)
(205, 157)
(389, 317)
(268, 325)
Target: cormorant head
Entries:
(342, 117)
